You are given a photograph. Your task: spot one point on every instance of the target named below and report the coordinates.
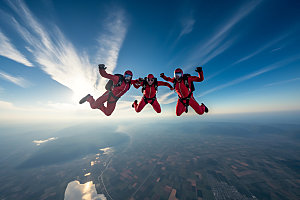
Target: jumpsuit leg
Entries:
(156, 106)
(99, 102)
(109, 109)
(199, 109)
(180, 108)
(139, 107)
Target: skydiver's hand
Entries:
(141, 79)
(171, 88)
(102, 66)
(198, 69)
(162, 75)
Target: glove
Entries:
(171, 88)
(101, 66)
(162, 75)
(141, 79)
(198, 69)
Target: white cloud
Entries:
(122, 128)
(58, 57)
(87, 191)
(4, 105)
(39, 142)
(16, 80)
(111, 42)
(8, 50)
(218, 43)
(167, 98)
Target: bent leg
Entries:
(139, 107)
(109, 109)
(180, 108)
(156, 106)
(194, 104)
(99, 102)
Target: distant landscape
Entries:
(163, 160)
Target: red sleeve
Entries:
(114, 78)
(161, 83)
(136, 83)
(168, 79)
(197, 79)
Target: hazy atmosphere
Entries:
(245, 147)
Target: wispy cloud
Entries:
(39, 142)
(8, 50)
(218, 43)
(283, 82)
(167, 98)
(16, 80)
(276, 49)
(252, 75)
(111, 42)
(59, 58)
(6, 105)
(219, 50)
(187, 25)
(255, 53)
(266, 46)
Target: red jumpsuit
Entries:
(150, 96)
(183, 92)
(108, 97)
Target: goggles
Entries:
(150, 79)
(127, 76)
(178, 74)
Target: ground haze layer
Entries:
(158, 160)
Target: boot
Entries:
(135, 102)
(206, 109)
(84, 99)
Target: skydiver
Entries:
(184, 87)
(150, 85)
(118, 86)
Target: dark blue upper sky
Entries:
(249, 51)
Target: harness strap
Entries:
(111, 94)
(187, 101)
(149, 99)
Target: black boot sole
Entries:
(84, 99)
(206, 109)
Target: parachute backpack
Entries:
(110, 84)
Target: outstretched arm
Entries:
(162, 83)
(200, 75)
(167, 78)
(104, 74)
(136, 83)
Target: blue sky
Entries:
(49, 51)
